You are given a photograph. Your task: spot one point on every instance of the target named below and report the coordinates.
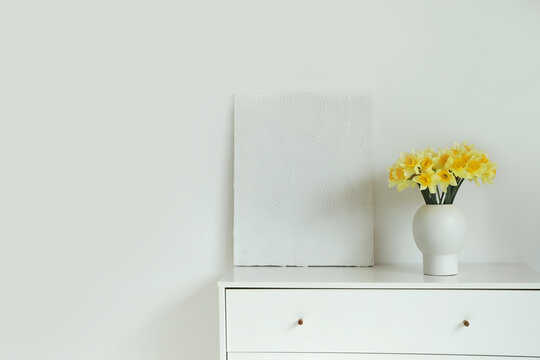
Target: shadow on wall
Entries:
(196, 322)
(188, 330)
(393, 215)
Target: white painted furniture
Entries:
(380, 313)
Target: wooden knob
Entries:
(466, 323)
(300, 322)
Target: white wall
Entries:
(116, 148)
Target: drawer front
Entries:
(501, 322)
(314, 356)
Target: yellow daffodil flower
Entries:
(442, 160)
(409, 163)
(474, 168)
(396, 176)
(489, 173)
(427, 180)
(458, 166)
(442, 169)
(445, 178)
(426, 163)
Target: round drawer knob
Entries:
(300, 322)
(466, 323)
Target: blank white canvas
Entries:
(303, 180)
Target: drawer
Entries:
(501, 322)
(327, 356)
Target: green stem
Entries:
(452, 192)
(429, 198)
(457, 188)
(426, 197)
(423, 195)
(449, 193)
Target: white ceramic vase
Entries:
(439, 233)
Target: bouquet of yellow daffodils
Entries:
(440, 174)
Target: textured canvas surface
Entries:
(303, 180)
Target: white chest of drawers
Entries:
(381, 313)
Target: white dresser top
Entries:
(471, 276)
